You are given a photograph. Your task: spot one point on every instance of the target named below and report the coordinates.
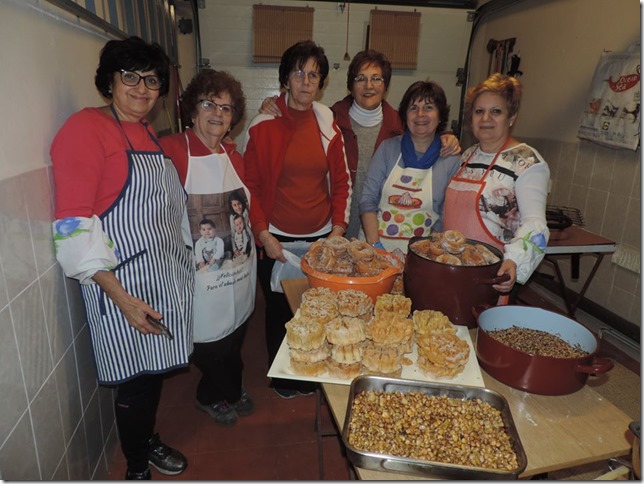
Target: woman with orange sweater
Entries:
(297, 174)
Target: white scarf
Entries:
(366, 117)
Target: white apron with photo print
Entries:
(225, 297)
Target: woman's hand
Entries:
(272, 246)
(134, 310)
(269, 106)
(507, 267)
(337, 231)
(449, 145)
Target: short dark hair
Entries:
(131, 54)
(297, 55)
(427, 91)
(210, 82)
(207, 221)
(369, 56)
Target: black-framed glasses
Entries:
(314, 77)
(211, 106)
(375, 80)
(132, 79)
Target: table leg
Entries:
(319, 432)
(571, 308)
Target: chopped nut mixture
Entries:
(434, 428)
(537, 342)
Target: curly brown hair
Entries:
(208, 83)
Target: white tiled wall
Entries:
(55, 422)
(604, 184)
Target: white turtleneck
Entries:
(365, 117)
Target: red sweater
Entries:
(266, 143)
(90, 161)
(175, 147)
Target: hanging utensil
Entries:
(347, 57)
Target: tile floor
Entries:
(277, 442)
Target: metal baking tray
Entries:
(390, 463)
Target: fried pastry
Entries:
(381, 359)
(343, 370)
(311, 356)
(321, 310)
(316, 368)
(391, 329)
(446, 350)
(437, 371)
(430, 321)
(304, 334)
(347, 353)
(345, 330)
(388, 303)
(353, 303)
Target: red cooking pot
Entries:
(452, 290)
(534, 373)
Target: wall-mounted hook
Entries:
(341, 6)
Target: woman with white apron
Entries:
(403, 194)
(120, 210)
(212, 172)
(499, 194)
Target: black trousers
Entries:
(278, 312)
(135, 407)
(221, 367)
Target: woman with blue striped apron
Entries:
(132, 256)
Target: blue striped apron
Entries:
(155, 265)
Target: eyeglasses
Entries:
(132, 79)
(375, 80)
(314, 77)
(210, 106)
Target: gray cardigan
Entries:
(383, 162)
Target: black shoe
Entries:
(223, 413)
(244, 406)
(285, 393)
(138, 476)
(165, 459)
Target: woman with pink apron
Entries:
(499, 194)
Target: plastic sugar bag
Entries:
(293, 252)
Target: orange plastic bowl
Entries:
(373, 286)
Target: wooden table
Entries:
(557, 432)
(575, 242)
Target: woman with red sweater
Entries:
(297, 174)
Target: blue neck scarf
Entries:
(409, 152)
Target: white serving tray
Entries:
(471, 375)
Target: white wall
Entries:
(226, 39)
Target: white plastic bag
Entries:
(293, 251)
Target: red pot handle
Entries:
(597, 366)
(479, 308)
(495, 280)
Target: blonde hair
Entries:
(509, 88)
